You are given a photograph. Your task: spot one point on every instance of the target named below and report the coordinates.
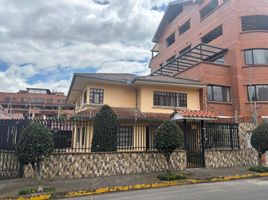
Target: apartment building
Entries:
(34, 103)
(223, 44)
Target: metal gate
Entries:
(194, 144)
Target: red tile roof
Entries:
(196, 114)
(134, 113)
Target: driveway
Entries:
(248, 189)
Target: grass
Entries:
(259, 169)
(171, 176)
(26, 191)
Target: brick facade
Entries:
(234, 72)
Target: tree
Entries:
(168, 138)
(105, 131)
(259, 139)
(35, 143)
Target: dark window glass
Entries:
(212, 35)
(170, 40)
(186, 26)
(175, 13)
(218, 93)
(96, 96)
(255, 22)
(85, 97)
(208, 8)
(258, 93)
(185, 49)
(49, 100)
(256, 57)
(125, 136)
(170, 99)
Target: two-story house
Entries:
(222, 43)
(138, 102)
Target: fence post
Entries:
(203, 142)
(231, 136)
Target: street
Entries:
(234, 190)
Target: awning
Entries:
(193, 56)
(193, 115)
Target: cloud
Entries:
(58, 37)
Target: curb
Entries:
(135, 187)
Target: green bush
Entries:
(259, 169)
(105, 131)
(259, 139)
(35, 143)
(168, 138)
(171, 176)
(35, 190)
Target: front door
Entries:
(193, 144)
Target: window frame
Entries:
(169, 44)
(206, 6)
(248, 25)
(255, 98)
(220, 27)
(182, 30)
(96, 91)
(180, 99)
(252, 56)
(128, 137)
(212, 93)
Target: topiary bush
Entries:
(259, 139)
(168, 138)
(35, 143)
(105, 131)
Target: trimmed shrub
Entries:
(35, 143)
(259, 139)
(259, 169)
(171, 176)
(168, 138)
(105, 131)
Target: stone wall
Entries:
(79, 165)
(230, 158)
(244, 130)
(9, 165)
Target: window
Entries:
(219, 60)
(49, 100)
(185, 49)
(170, 40)
(96, 96)
(255, 23)
(171, 59)
(212, 35)
(186, 26)
(85, 97)
(208, 8)
(125, 136)
(170, 99)
(256, 57)
(258, 93)
(218, 93)
(174, 14)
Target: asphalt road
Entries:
(249, 189)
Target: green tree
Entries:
(168, 138)
(35, 143)
(105, 130)
(259, 139)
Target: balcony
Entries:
(200, 53)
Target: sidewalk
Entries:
(12, 187)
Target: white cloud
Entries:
(109, 35)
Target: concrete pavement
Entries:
(247, 189)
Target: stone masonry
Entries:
(80, 165)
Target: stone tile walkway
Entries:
(13, 186)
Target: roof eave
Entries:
(170, 84)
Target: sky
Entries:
(42, 43)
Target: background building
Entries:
(35, 103)
(222, 43)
